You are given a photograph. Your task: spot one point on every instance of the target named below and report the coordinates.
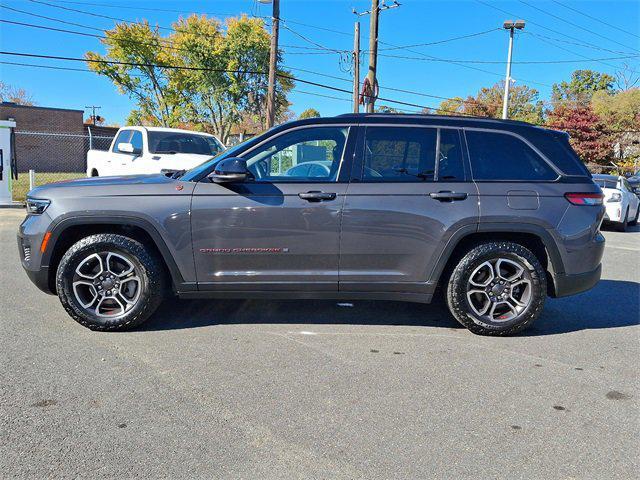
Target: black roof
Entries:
(425, 119)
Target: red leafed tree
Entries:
(588, 135)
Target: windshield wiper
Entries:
(169, 152)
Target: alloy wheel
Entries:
(107, 284)
(499, 290)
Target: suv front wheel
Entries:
(110, 282)
(498, 288)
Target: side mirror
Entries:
(128, 148)
(230, 169)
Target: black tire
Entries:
(623, 226)
(147, 269)
(459, 303)
(634, 222)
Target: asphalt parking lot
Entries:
(261, 390)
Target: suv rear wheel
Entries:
(110, 282)
(498, 288)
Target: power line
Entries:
(572, 52)
(162, 27)
(90, 27)
(295, 22)
(286, 67)
(580, 12)
(154, 9)
(297, 90)
(569, 42)
(205, 69)
(523, 62)
(564, 34)
(308, 40)
(568, 22)
(438, 42)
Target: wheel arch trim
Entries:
(555, 258)
(147, 226)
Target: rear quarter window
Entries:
(556, 146)
(501, 156)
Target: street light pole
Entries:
(356, 68)
(273, 64)
(511, 26)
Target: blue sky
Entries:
(572, 36)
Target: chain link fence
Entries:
(53, 156)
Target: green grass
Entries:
(21, 186)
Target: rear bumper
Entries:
(567, 284)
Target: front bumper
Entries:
(29, 238)
(570, 284)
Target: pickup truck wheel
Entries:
(110, 282)
(498, 288)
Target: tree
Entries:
(523, 104)
(386, 109)
(205, 75)
(148, 85)
(309, 113)
(9, 93)
(225, 77)
(581, 87)
(587, 133)
(626, 77)
(621, 114)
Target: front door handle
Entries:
(447, 196)
(317, 196)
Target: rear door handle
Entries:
(317, 196)
(447, 196)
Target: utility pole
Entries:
(511, 26)
(371, 79)
(373, 52)
(93, 109)
(273, 64)
(356, 68)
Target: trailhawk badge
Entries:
(246, 250)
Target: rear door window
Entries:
(399, 154)
(499, 156)
(450, 159)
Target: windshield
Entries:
(198, 171)
(605, 182)
(177, 142)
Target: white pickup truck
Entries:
(137, 150)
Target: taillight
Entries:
(584, 198)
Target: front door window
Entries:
(303, 155)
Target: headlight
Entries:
(37, 206)
(615, 197)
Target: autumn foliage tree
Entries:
(524, 103)
(587, 134)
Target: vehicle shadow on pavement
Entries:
(611, 304)
(179, 314)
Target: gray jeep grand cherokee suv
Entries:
(495, 214)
